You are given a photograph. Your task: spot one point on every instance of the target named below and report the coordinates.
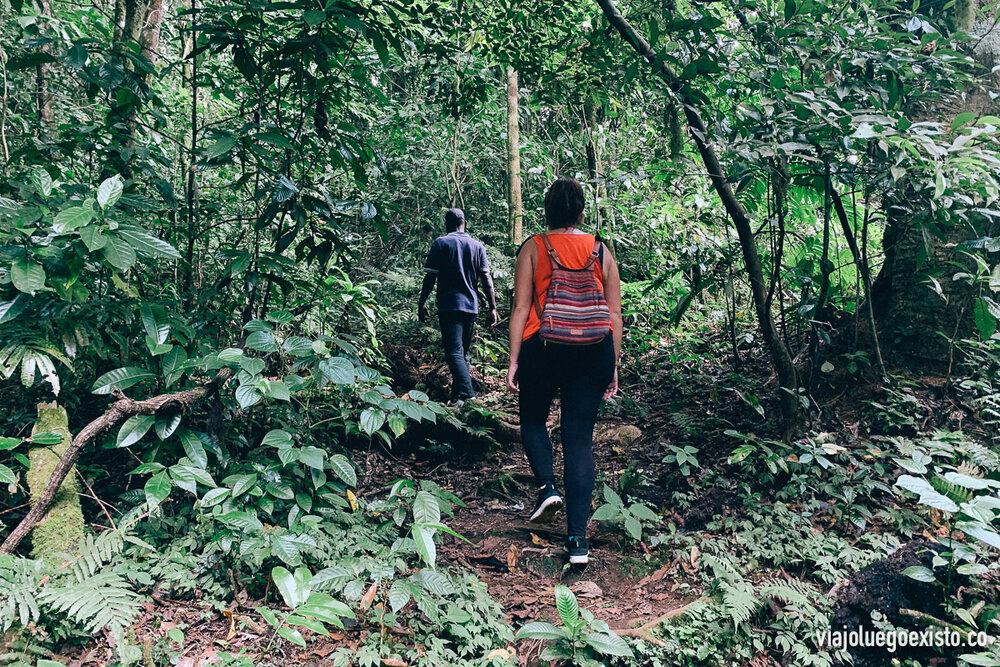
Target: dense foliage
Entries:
(212, 219)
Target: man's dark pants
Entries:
(456, 335)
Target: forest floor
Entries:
(626, 583)
(694, 400)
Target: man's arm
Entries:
(425, 292)
(491, 296)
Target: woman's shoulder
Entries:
(528, 243)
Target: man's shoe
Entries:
(578, 551)
(549, 502)
(455, 403)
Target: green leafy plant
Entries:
(581, 639)
(630, 517)
(683, 457)
(307, 609)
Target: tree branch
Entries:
(787, 377)
(119, 411)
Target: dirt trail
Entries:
(624, 584)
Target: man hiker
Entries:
(457, 262)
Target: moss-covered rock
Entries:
(61, 529)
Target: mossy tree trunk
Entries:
(61, 529)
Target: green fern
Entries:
(101, 601)
(953, 491)
(791, 592)
(739, 603)
(19, 588)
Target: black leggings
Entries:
(580, 375)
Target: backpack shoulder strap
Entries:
(595, 254)
(553, 255)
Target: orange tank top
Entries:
(574, 250)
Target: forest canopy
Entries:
(224, 437)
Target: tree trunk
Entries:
(43, 96)
(913, 297)
(783, 365)
(515, 210)
(595, 170)
(60, 530)
(151, 31)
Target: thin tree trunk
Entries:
(595, 169)
(151, 31)
(191, 190)
(43, 96)
(3, 112)
(515, 211)
(785, 368)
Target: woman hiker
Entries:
(565, 338)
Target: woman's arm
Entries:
(524, 286)
(613, 295)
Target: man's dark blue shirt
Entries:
(458, 260)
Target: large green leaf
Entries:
(7, 475)
(27, 276)
(372, 420)
(287, 551)
(220, 147)
(118, 252)
(312, 457)
(214, 497)
(11, 309)
(71, 218)
(433, 582)
(262, 341)
(928, 494)
(423, 538)
(341, 465)
(277, 438)
(155, 322)
(193, 447)
(920, 573)
(158, 487)
(426, 509)
(399, 595)
(608, 644)
(540, 630)
(337, 370)
(246, 395)
(133, 429)
(566, 605)
(294, 588)
(110, 191)
(93, 237)
(166, 426)
(120, 378)
(986, 323)
(146, 244)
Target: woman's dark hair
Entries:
(564, 203)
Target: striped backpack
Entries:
(575, 311)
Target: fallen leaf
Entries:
(353, 500)
(393, 662)
(512, 556)
(587, 589)
(502, 653)
(694, 555)
(366, 600)
(232, 624)
(539, 542)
